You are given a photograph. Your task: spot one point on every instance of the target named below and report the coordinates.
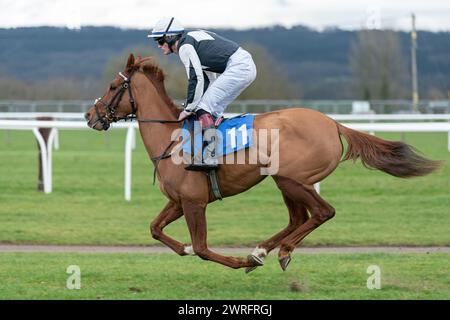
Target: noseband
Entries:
(111, 106)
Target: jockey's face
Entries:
(165, 48)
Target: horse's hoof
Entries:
(255, 260)
(284, 262)
(250, 269)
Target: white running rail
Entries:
(46, 154)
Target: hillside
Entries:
(316, 61)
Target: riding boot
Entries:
(208, 162)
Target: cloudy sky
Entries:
(431, 15)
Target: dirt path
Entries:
(232, 250)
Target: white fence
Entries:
(46, 150)
(338, 117)
(7, 123)
(241, 106)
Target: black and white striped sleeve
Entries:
(194, 71)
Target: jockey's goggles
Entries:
(160, 40)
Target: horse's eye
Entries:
(112, 87)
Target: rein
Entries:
(110, 116)
(163, 155)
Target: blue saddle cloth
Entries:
(233, 135)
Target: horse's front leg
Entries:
(170, 213)
(196, 221)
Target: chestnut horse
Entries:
(309, 147)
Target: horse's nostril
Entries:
(87, 116)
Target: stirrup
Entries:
(203, 165)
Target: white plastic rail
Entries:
(46, 154)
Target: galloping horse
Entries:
(310, 148)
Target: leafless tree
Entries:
(378, 66)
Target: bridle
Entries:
(110, 115)
(111, 106)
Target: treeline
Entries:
(57, 63)
(51, 89)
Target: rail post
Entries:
(43, 174)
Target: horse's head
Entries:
(118, 102)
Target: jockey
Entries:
(218, 69)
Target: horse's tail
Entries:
(393, 157)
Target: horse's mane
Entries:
(156, 75)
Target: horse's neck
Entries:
(156, 136)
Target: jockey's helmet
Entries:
(165, 28)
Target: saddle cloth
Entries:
(233, 135)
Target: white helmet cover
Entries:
(161, 29)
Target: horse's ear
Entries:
(130, 61)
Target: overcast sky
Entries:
(431, 15)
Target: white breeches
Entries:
(238, 75)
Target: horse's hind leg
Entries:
(196, 221)
(297, 216)
(170, 213)
(319, 209)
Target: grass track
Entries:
(167, 276)
(87, 205)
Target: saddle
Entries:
(231, 135)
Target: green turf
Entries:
(168, 276)
(87, 205)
